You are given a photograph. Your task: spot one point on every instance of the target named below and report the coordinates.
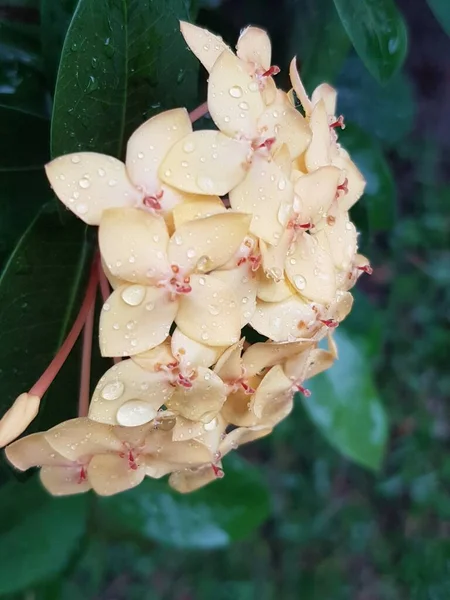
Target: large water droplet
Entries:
(75, 159)
(299, 282)
(134, 413)
(81, 209)
(235, 91)
(84, 183)
(133, 294)
(112, 391)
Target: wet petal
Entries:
(151, 360)
(283, 159)
(310, 269)
(111, 474)
(261, 355)
(355, 181)
(203, 400)
(192, 353)
(274, 387)
(82, 437)
(273, 257)
(266, 194)
(189, 480)
(299, 88)
(133, 244)
(229, 365)
(197, 207)
(244, 284)
(337, 237)
(150, 143)
(284, 321)
(243, 435)
(129, 395)
(88, 183)
(64, 481)
(159, 445)
(283, 122)
(114, 281)
(306, 365)
(206, 162)
(328, 94)
(210, 314)
(135, 318)
(185, 429)
(316, 191)
(318, 153)
(234, 100)
(238, 409)
(340, 307)
(270, 290)
(17, 418)
(214, 239)
(254, 47)
(33, 451)
(206, 46)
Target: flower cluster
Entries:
(201, 234)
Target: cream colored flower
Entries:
(17, 418)
(172, 280)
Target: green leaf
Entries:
(55, 21)
(441, 10)
(385, 112)
(344, 405)
(121, 61)
(38, 533)
(20, 151)
(38, 291)
(318, 40)
(222, 512)
(378, 33)
(379, 200)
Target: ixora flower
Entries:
(189, 270)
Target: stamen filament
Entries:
(85, 378)
(199, 112)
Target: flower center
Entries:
(153, 202)
(339, 122)
(248, 253)
(342, 189)
(176, 283)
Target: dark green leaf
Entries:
(38, 533)
(224, 511)
(38, 290)
(318, 40)
(55, 20)
(441, 10)
(121, 62)
(379, 201)
(386, 112)
(344, 405)
(378, 33)
(23, 140)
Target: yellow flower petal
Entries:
(111, 474)
(270, 290)
(129, 395)
(210, 314)
(274, 389)
(152, 359)
(88, 183)
(229, 365)
(189, 480)
(267, 194)
(254, 47)
(197, 207)
(234, 99)
(192, 353)
(63, 481)
(310, 269)
(203, 400)
(318, 153)
(185, 429)
(338, 239)
(206, 162)
(328, 94)
(212, 239)
(133, 245)
(242, 280)
(243, 435)
(307, 365)
(32, 451)
(17, 418)
(273, 257)
(284, 321)
(299, 88)
(159, 446)
(114, 282)
(355, 181)
(150, 143)
(317, 191)
(261, 355)
(206, 46)
(135, 318)
(238, 408)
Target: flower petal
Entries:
(214, 239)
(338, 239)
(185, 429)
(234, 100)
(32, 451)
(229, 365)
(237, 408)
(243, 435)
(318, 153)
(306, 365)
(137, 318)
(328, 94)
(355, 181)
(286, 124)
(299, 88)
(111, 474)
(267, 195)
(82, 437)
(133, 244)
(159, 446)
(254, 47)
(273, 391)
(261, 355)
(64, 481)
(197, 207)
(192, 353)
(210, 313)
(128, 395)
(273, 257)
(189, 480)
(270, 290)
(242, 280)
(203, 400)
(284, 321)
(151, 360)
(206, 46)
(17, 418)
(88, 183)
(310, 269)
(206, 162)
(316, 191)
(150, 143)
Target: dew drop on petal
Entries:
(235, 91)
(112, 182)
(191, 253)
(81, 209)
(112, 391)
(134, 413)
(150, 306)
(213, 309)
(75, 159)
(299, 282)
(133, 294)
(84, 183)
(189, 147)
(204, 336)
(211, 425)
(253, 86)
(243, 106)
(168, 173)
(140, 155)
(101, 172)
(205, 183)
(106, 307)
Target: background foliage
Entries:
(347, 499)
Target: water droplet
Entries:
(168, 173)
(205, 183)
(213, 310)
(101, 172)
(140, 155)
(253, 86)
(131, 324)
(81, 209)
(292, 261)
(226, 119)
(282, 184)
(189, 147)
(150, 306)
(133, 343)
(178, 239)
(112, 182)
(132, 259)
(84, 183)
(133, 294)
(243, 105)
(113, 391)
(184, 164)
(201, 281)
(299, 282)
(134, 413)
(191, 253)
(75, 159)
(235, 91)
(106, 307)
(116, 326)
(204, 336)
(211, 425)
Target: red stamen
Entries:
(295, 225)
(343, 187)
(247, 389)
(82, 475)
(154, 201)
(366, 269)
(338, 123)
(329, 322)
(175, 268)
(273, 70)
(198, 112)
(184, 381)
(218, 472)
(132, 461)
(303, 390)
(255, 262)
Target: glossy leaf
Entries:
(212, 517)
(386, 112)
(345, 406)
(378, 33)
(318, 40)
(23, 139)
(441, 10)
(38, 533)
(120, 62)
(38, 291)
(55, 20)
(379, 200)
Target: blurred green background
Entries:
(293, 518)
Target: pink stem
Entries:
(44, 381)
(85, 380)
(198, 112)
(104, 283)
